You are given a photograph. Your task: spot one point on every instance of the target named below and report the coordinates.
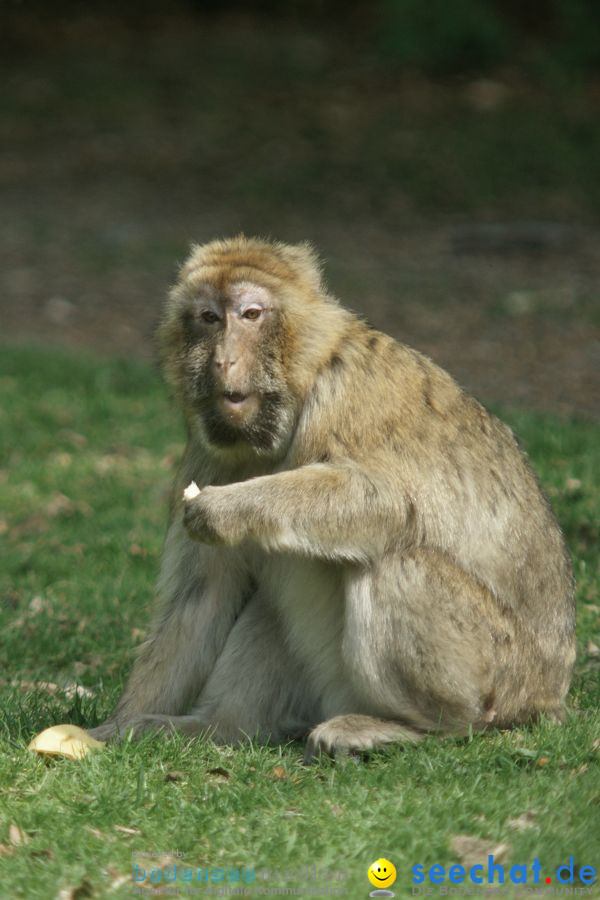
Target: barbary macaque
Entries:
(367, 556)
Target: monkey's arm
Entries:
(313, 510)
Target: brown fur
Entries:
(369, 558)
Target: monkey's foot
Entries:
(135, 726)
(343, 735)
(114, 730)
(107, 731)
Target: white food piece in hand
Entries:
(69, 741)
(191, 491)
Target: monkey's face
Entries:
(232, 372)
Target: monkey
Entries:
(366, 556)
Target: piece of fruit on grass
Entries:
(69, 741)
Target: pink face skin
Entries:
(236, 318)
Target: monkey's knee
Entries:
(344, 735)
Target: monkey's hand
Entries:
(212, 516)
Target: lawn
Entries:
(88, 447)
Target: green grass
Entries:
(88, 448)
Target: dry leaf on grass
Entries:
(175, 775)
(82, 890)
(5, 850)
(159, 863)
(76, 690)
(38, 604)
(473, 851)
(136, 550)
(35, 524)
(117, 879)
(125, 829)
(593, 649)
(17, 836)
(59, 504)
(278, 772)
(219, 774)
(78, 440)
(523, 822)
(62, 459)
(49, 687)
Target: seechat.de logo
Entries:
(494, 873)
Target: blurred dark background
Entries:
(444, 157)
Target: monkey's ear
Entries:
(192, 260)
(305, 260)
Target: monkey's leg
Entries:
(257, 689)
(254, 691)
(425, 648)
(201, 591)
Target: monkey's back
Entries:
(470, 489)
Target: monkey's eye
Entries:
(209, 316)
(252, 313)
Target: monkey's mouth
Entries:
(234, 397)
(238, 407)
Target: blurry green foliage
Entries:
(578, 40)
(552, 37)
(441, 36)
(454, 35)
(438, 35)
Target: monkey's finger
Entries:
(319, 748)
(317, 751)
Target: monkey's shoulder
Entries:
(378, 392)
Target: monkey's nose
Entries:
(225, 365)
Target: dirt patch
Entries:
(121, 146)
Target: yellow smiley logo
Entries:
(382, 873)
